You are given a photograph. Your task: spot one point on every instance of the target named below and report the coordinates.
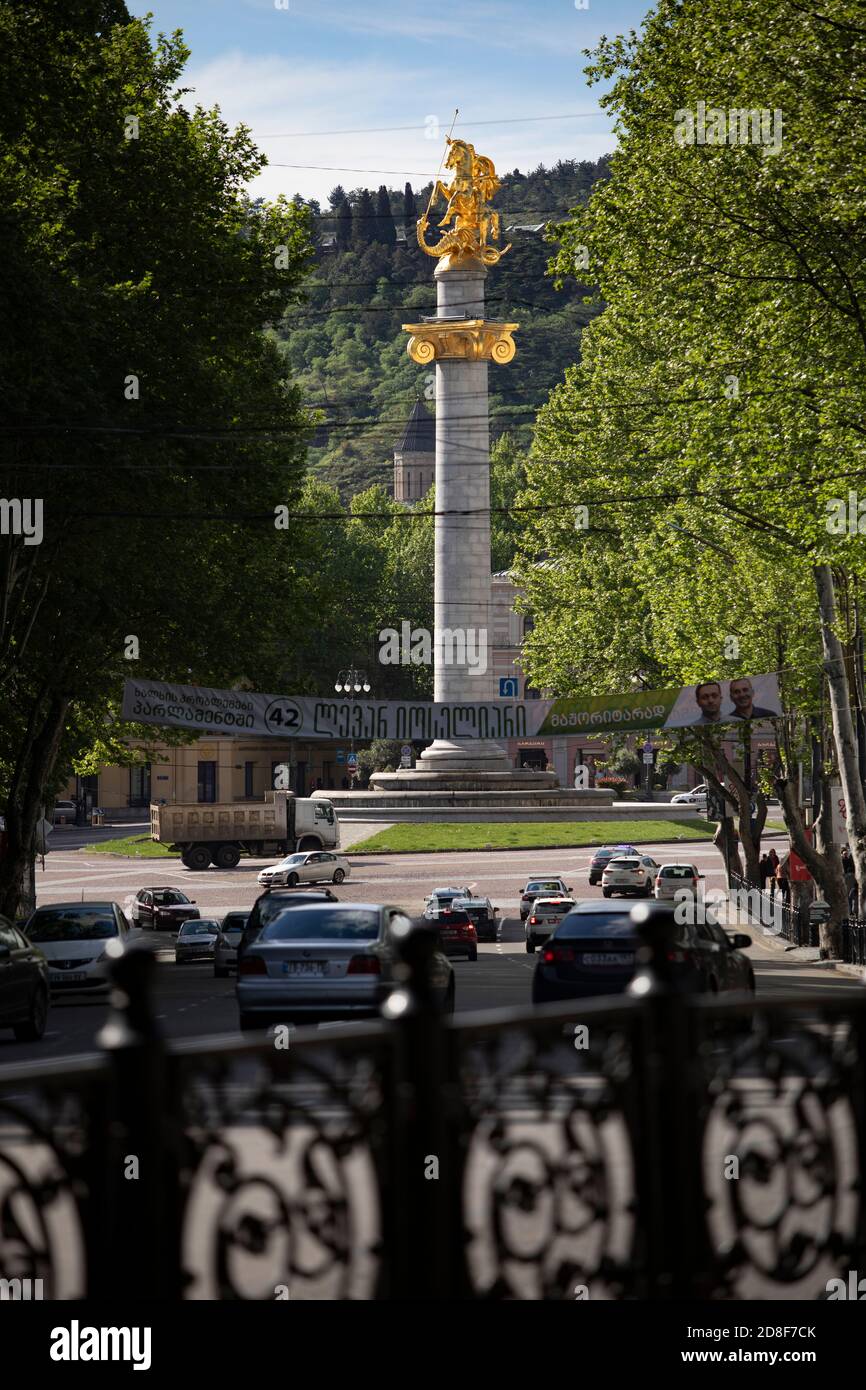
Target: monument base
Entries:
(466, 779)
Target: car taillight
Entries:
(533, 921)
(551, 954)
(252, 965)
(677, 956)
(364, 965)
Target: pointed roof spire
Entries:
(419, 436)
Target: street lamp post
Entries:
(352, 683)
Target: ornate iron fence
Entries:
(654, 1146)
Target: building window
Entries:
(207, 781)
(248, 779)
(139, 785)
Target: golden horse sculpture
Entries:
(475, 224)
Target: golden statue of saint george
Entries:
(473, 224)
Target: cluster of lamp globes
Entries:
(354, 682)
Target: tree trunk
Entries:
(32, 775)
(825, 868)
(844, 735)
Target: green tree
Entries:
(386, 232)
(133, 258)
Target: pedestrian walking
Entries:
(763, 872)
(783, 878)
(850, 881)
(772, 866)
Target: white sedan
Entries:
(696, 798)
(312, 866)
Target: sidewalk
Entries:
(810, 955)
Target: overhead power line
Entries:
(464, 125)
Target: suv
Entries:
(545, 917)
(483, 914)
(542, 886)
(457, 935)
(630, 873)
(441, 898)
(276, 900)
(602, 856)
(159, 909)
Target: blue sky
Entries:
(321, 66)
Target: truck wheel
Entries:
(196, 857)
(309, 842)
(226, 856)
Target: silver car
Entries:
(311, 866)
(225, 951)
(196, 939)
(325, 961)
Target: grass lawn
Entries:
(414, 839)
(132, 847)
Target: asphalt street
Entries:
(192, 1002)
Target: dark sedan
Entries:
(24, 990)
(602, 856)
(161, 909)
(594, 951)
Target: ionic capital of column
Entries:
(473, 340)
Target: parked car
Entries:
(162, 909)
(269, 904)
(483, 914)
(672, 879)
(441, 898)
(328, 960)
(225, 954)
(593, 951)
(541, 886)
(313, 866)
(457, 933)
(603, 856)
(633, 873)
(24, 987)
(65, 810)
(196, 940)
(545, 917)
(77, 941)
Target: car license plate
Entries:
(60, 977)
(303, 967)
(609, 958)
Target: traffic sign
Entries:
(508, 687)
(341, 755)
(406, 755)
(648, 756)
(352, 760)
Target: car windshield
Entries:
(235, 923)
(624, 863)
(578, 924)
(291, 859)
(71, 924)
(554, 909)
(551, 885)
(323, 924)
(169, 897)
(199, 928)
(677, 871)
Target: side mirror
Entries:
(739, 941)
(495, 911)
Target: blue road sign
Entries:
(508, 687)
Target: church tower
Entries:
(415, 456)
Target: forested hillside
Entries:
(345, 345)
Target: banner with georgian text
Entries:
(244, 712)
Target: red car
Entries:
(457, 934)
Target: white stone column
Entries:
(462, 603)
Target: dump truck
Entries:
(220, 832)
